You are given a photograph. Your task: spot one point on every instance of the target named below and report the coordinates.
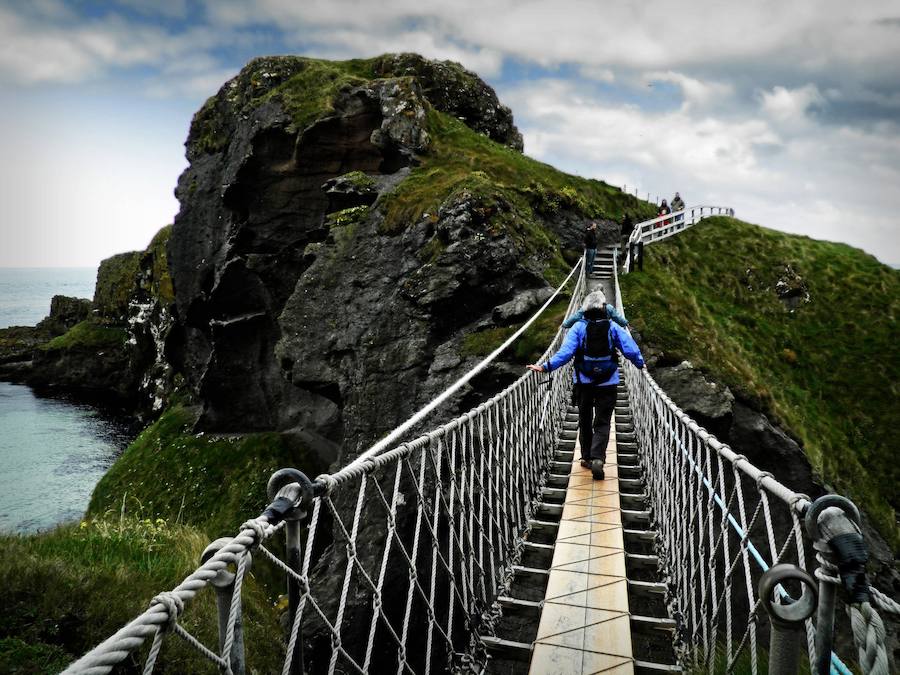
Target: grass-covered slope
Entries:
(208, 481)
(828, 371)
(66, 591)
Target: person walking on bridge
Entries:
(590, 248)
(593, 342)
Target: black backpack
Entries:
(596, 357)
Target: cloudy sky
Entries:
(789, 112)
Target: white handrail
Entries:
(662, 227)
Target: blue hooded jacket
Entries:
(621, 340)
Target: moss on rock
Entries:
(89, 335)
(116, 278)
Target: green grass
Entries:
(67, 590)
(828, 371)
(87, 335)
(211, 482)
(460, 157)
(529, 347)
(512, 194)
(150, 517)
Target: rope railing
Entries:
(723, 525)
(396, 561)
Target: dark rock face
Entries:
(459, 92)
(289, 318)
(115, 279)
(17, 343)
(65, 312)
(707, 402)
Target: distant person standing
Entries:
(590, 247)
(677, 203)
(663, 211)
(627, 226)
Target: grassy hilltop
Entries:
(827, 371)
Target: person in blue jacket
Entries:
(596, 398)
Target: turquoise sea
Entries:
(52, 450)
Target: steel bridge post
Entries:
(293, 529)
(827, 520)
(786, 619)
(223, 583)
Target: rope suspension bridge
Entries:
(423, 555)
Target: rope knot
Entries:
(173, 604)
(259, 531)
(326, 480)
(760, 477)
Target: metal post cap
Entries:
(811, 519)
(284, 477)
(800, 609)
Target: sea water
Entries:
(52, 450)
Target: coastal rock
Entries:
(709, 403)
(309, 314)
(521, 306)
(457, 91)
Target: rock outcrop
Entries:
(297, 309)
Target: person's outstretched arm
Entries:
(565, 353)
(627, 346)
(615, 315)
(572, 320)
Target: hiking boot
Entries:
(585, 463)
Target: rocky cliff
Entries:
(108, 349)
(343, 227)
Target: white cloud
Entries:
(753, 85)
(826, 182)
(696, 93)
(790, 105)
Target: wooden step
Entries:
(630, 471)
(637, 518)
(544, 525)
(564, 456)
(633, 484)
(516, 606)
(534, 572)
(646, 587)
(651, 623)
(633, 500)
(647, 562)
(553, 493)
(546, 511)
(548, 548)
(650, 668)
(639, 535)
(518, 651)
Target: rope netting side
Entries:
(721, 523)
(407, 548)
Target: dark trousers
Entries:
(590, 254)
(595, 409)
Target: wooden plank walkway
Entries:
(585, 626)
